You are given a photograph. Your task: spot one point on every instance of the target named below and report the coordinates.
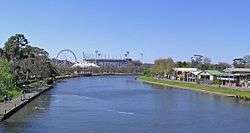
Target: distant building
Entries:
(110, 62)
(85, 65)
(234, 77)
(241, 76)
(210, 75)
(186, 74)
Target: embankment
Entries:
(9, 108)
(198, 87)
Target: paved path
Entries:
(7, 107)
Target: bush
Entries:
(147, 72)
(7, 82)
(217, 82)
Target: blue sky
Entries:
(219, 29)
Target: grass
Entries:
(198, 87)
(13, 94)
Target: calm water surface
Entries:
(120, 104)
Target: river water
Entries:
(121, 104)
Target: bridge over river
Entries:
(112, 104)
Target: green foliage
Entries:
(199, 87)
(22, 63)
(217, 82)
(7, 82)
(221, 66)
(196, 60)
(242, 62)
(206, 67)
(31, 52)
(28, 62)
(239, 63)
(247, 60)
(13, 46)
(163, 67)
(147, 72)
(201, 62)
(183, 64)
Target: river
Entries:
(121, 104)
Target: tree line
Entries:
(164, 67)
(22, 64)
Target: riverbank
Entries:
(93, 74)
(9, 108)
(198, 87)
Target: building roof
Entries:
(246, 70)
(218, 73)
(186, 69)
(196, 72)
(214, 72)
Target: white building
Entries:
(85, 65)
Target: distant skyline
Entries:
(179, 29)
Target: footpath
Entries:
(10, 107)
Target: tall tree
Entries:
(206, 64)
(196, 60)
(183, 64)
(201, 62)
(247, 60)
(163, 67)
(239, 63)
(13, 45)
(34, 63)
(222, 66)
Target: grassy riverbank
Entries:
(198, 87)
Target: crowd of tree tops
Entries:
(20, 64)
(23, 65)
(164, 67)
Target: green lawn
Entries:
(198, 87)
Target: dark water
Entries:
(123, 105)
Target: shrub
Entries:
(7, 82)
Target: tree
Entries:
(147, 72)
(201, 62)
(7, 82)
(163, 67)
(247, 61)
(196, 60)
(183, 64)
(34, 63)
(31, 52)
(206, 64)
(239, 63)
(13, 46)
(206, 60)
(222, 66)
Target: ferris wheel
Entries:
(66, 54)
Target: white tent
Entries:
(85, 65)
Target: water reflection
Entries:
(19, 121)
(122, 104)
